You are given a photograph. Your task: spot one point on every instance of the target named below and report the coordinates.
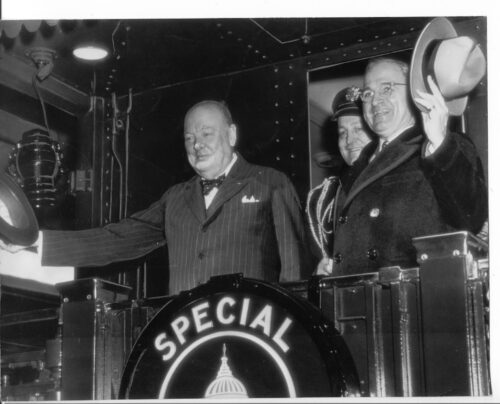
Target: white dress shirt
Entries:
(211, 195)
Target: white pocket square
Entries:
(246, 199)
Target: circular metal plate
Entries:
(235, 338)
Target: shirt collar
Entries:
(231, 164)
(391, 138)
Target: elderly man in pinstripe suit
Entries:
(231, 217)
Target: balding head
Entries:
(209, 138)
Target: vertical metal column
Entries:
(454, 336)
(85, 370)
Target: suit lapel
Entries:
(194, 199)
(396, 153)
(236, 180)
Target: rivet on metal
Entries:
(276, 122)
(376, 37)
(389, 44)
(277, 140)
(249, 46)
(276, 70)
(359, 50)
(325, 47)
(292, 156)
(276, 85)
(360, 39)
(290, 83)
(278, 158)
(276, 104)
(342, 44)
(344, 54)
(290, 67)
(291, 102)
(291, 55)
(456, 253)
(423, 257)
(327, 59)
(291, 138)
(89, 297)
(291, 119)
(65, 300)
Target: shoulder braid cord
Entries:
(323, 212)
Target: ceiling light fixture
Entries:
(90, 53)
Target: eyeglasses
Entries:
(385, 90)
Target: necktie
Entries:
(384, 145)
(208, 185)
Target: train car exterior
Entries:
(114, 145)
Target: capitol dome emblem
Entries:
(225, 385)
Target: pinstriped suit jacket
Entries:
(263, 239)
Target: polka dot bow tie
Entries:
(208, 185)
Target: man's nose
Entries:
(198, 146)
(349, 138)
(377, 98)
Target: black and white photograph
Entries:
(200, 203)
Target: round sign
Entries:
(238, 338)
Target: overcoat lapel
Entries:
(236, 180)
(396, 153)
(194, 199)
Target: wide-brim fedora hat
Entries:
(456, 63)
(18, 223)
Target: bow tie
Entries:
(208, 185)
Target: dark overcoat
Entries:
(401, 194)
(254, 226)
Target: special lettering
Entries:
(227, 312)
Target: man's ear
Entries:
(233, 135)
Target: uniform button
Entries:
(343, 219)
(372, 253)
(201, 256)
(375, 212)
(337, 258)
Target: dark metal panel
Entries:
(78, 351)
(444, 327)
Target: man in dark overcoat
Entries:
(415, 180)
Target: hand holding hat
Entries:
(435, 115)
(456, 63)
